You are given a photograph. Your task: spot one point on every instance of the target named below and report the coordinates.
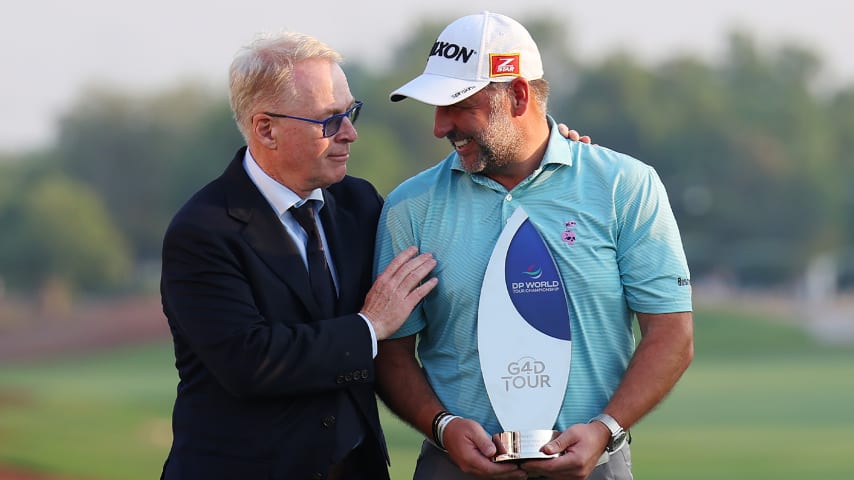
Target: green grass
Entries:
(788, 417)
(103, 416)
(761, 401)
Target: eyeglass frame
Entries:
(352, 113)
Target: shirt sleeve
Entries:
(651, 259)
(394, 234)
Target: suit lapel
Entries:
(336, 225)
(265, 233)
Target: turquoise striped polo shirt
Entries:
(607, 221)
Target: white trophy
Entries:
(524, 340)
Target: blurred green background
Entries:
(755, 152)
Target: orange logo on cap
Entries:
(504, 65)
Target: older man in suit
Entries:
(266, 285)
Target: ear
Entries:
(520, 96)
(263, 131)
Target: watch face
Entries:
(617, 441)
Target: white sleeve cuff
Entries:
(373, 335)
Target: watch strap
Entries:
(618, 434)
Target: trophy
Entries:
(524, 340)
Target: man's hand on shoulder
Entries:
(397, 290)
(572, 134)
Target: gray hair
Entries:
(261, 74)
(539, 87)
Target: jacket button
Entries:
(328, 421)
(348, 377)
(365, 374)
(339, 379)
(317, 476)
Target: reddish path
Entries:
(89, 326)
(7, 474)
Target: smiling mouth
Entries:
(458, 144)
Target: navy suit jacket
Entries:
(260, 374)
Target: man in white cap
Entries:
(605, 219)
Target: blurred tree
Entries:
(144, 153)
(201, 153)
(58, 232)
(783, 171)
(611, 103)
(746, 151)
(841, 113)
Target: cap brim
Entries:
(437, 89)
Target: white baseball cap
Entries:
(470, 53)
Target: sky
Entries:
(52, 49)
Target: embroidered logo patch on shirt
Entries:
(568, 235)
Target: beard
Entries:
(499, 142)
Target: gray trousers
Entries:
(433, 464)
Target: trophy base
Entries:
(523, 445)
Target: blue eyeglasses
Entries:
(332, 124)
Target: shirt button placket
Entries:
(507, 208)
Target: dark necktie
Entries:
(318, 270)
(349, 424)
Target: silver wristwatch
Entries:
(618, 435)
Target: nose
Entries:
(442, 124)
(347, 132)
